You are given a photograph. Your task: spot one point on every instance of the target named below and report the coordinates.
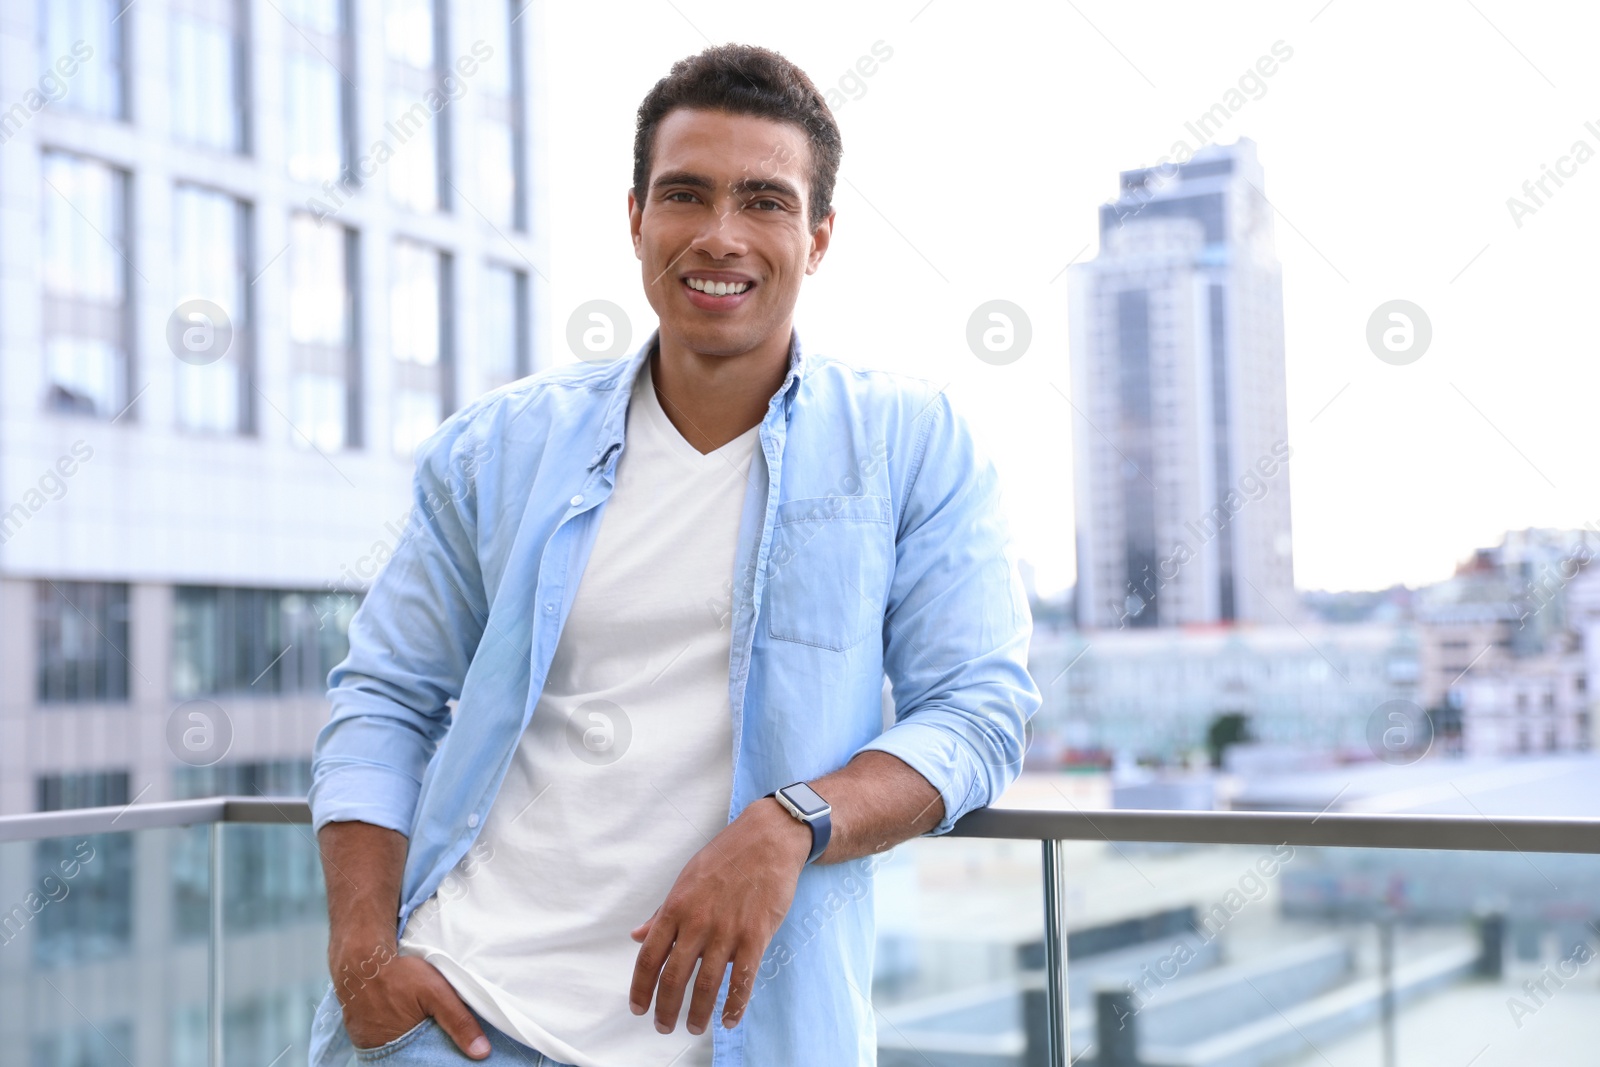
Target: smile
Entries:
(717, 288)
(710, 295)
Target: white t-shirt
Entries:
(624, 772)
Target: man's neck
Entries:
(713, 399)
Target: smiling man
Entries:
(664, 593)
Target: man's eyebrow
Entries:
(744, 185)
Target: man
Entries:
(659, 590)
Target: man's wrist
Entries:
(354, 948)
(783, 828)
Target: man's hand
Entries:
(401, 992)
(383, 993)
(725, 906)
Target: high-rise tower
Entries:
(1180, 440)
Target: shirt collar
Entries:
(622, 381)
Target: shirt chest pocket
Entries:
(828, 568)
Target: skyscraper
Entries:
(1180, 437)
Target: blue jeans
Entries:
(427, 1045)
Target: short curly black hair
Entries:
(744, 80)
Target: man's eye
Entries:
(679, 192)
(775, 203)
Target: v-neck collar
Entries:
(649, 407)
(621, 379)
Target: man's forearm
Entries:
(363, 865)
(878, 801)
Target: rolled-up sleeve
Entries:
(411, 642)
(956, 625)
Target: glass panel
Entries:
(960, 928)
(414, 340)
(320, 316)
(82, 632)
(414, 304)
(315, 16)
(315, 129)
(497, 172)
(276, 929)
(211, 266)
(78, 990)
(129, 987)
(1288, 955)
(414, 170)
(85, 284)
(318, 303)
(256, 641)
(499, 318)
(495, 29)
(499, 112)
(206, 74)
(408, 32)
(410, 39)
(82, 55)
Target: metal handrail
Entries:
(1478, 833)
(1471, 833)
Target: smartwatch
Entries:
(803, 803)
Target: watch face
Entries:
(806, 799)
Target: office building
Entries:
(251, 254)
(1180, 432)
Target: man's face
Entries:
(726, 201)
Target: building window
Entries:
(211, 242)
(82, 43)
(208, 74)
(258, 642)
(318, 75)
(86, 284)
(419, 290)
(95, 919)
(324, 363)
(502, 320)
(499, 84)
(417, 119)
(83, 642)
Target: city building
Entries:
(1513, 628)
(1181, 433)
(251, 254)
(1155, 694)
(1537, 704)
(1536, 692)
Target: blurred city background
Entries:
(1276, 323)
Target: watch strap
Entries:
(821, 831)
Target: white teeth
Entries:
(717, 288)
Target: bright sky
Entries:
(977, 153)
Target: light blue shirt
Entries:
(872, 542)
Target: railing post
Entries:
(214, 951)
(1055, 955)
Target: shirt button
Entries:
(577, 500)
(472, 820)
(549, 607)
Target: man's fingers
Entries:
(675, 976)
(640, 932)
(455, 1018)
(713, 965)
(745, 964)
(647, 967)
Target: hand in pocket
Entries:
(405, 991)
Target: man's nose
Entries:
(723, 231)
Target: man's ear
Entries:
(819, 242)
(635, 219)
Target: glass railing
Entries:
(193, 934)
